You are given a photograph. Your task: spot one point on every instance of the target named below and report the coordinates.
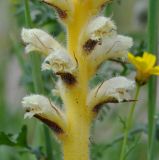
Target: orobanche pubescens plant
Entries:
(91, 40)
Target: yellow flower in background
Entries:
(145, 66)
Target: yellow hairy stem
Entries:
(80, 17)
(76, 143)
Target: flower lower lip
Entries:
(51, 124)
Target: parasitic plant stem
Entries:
(91, 40)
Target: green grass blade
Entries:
(153, 12)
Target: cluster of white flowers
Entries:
(99, 42)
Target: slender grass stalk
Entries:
(48, 143)
(37, 79)
(153, 12)
(129, 124)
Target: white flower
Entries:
(38, 40)
(100, 27)
(43, 109)
(113, 90)
(59, 61)
(111, 47)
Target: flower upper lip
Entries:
(38, 40)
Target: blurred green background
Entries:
(24, 139)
